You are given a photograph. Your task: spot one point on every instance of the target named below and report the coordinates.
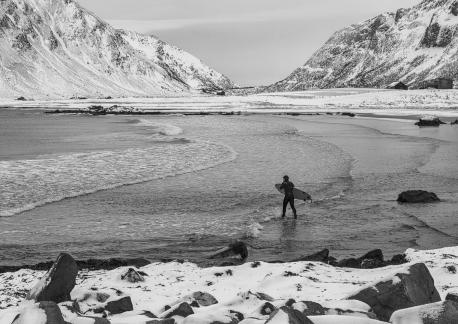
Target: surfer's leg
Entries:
(285, 203)
(291, 203)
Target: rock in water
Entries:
(409, 288)
(437, 313)
(287, 315)
(434, 122)
(58, 282)
(236, 248)
(417, 196)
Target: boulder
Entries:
(236, 248)
(437, 313)
(204, 299)
(309, 308)
(119, 306)
(429, 121)
(417, 196)
(58, 282)
(21, 99)
(182, 310)
(452, 297)
(267, 309)
(322, 256)
(288, 315)
(132, 275)
(409, 288)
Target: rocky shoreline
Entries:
(414, 287)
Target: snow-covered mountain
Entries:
(411, 45)
(56, 48)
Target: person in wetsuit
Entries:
(288, 187)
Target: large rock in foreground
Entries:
(438, 313)
(58, 282)
(410, 288)
(417, 196)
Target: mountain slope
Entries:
(411, 45)
(55, 48)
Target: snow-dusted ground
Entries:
(235, 287)
(382, 102)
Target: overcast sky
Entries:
(254, 42)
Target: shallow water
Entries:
(179, 187)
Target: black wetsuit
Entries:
(288, 187)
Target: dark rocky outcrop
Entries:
(321, 256)
(410, 288)
(431, 122)
(417, 196)
(454, 122)
(312, 308)
(452, 297)
(203, 299)
(21, 99)
(294, 316)
(437, 313)
(183, 310)
(372, 259)
(237, 248)
(119, 306)
(58, 282)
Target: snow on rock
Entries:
(409, 45)
(438, 313)
(56, 48)
(243, 289)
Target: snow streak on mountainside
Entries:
(55, 48)
(411, 45)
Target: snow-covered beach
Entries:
(241, 289)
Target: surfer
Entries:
(288, 187)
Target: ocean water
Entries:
(183, 186)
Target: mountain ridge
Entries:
(409, 45)
(57, 48)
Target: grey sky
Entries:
(253, 42)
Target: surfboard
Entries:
(298, 194)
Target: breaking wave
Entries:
(26, 184)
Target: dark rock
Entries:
(454, 122)
(183, 310)
(21, 99)
(194, 303)
(162, 321)
(294, 316)
(149, 314)
(53, 313)
(264, 296)
(454, 8)
(406, 289)
(237, 248)
(58, 282)
(267, 309)
(120, 306)
(398, 259)
(132, 276)
(349, 114)
(349, 263)
(417, 196)
(438, 313)
(237, 315)
(452, 297)
(204, 299)
(433, 122)
(322, 256)
(290, 302)
(313, 309)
